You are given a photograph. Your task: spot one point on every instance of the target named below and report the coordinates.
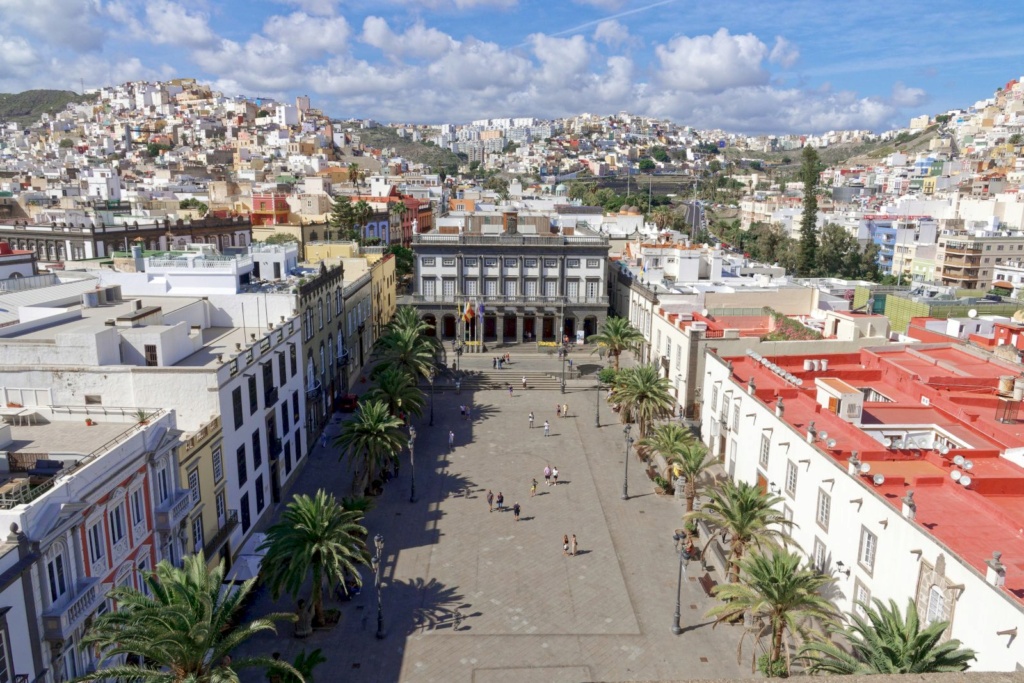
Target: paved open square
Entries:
(473, 595)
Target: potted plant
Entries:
(143, 416)
(89, 422)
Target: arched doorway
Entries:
(548, 328)
(431, 323)
(490, 327)
(529, 327)
(570, 329)
(589, 325)
(509, 326)
(448, 327)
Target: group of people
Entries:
(547, 425)
(500, 503)
(499, 362)
(550, 475)
(561, 410)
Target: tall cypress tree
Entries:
(810, 170)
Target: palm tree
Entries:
(397, 210)
(781, 593)
(692, 461)
(373, 438)
(353, 173)
(407, 349)
(396, 388)
(643, 395)
(746, 515)
(883, 642)
(316, 536)
(362, 212)
(617, 335)
(668, 439)
(407, 318)
(181, 629)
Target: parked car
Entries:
(348, 403)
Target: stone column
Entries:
(519, 327)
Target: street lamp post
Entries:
(625, 476)
(680, 545)
(412, 463)
(565, 352)
(378, 560)
(430, 378)
(597, 407)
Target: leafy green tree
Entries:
(616, 336)
(66, 143)
(343, 218)
(407, 349)
(659, 154)
(372, 439)
(646, 164)
(316, 538)
(883, 642)
(362, 212)
(396, 388)
(692, 461)
(304, 664)
(397, 211)
(193, 203)
(668, 439)
(407, 318)
(405, 260)
(1015, 139)
(779, 591)
(281, 238)
(182, 630)
(810, 173)
(745, 515)
(643, 395)
(869, 269)
(837, 247)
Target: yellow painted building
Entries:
(201, 465)
(383, 283)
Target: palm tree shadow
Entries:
(483, 411)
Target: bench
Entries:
(707, 584)
(43, 470)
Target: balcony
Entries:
(228, 525)
(270, 397)
(970, 248)
(343, 357)
(503, 300)
(313, 390)
(958, 260)
(60, 622)
(173, 511)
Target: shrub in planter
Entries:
(772, 669)
(663, 484)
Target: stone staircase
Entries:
(500, 379)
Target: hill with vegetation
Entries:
(426, 153)
(25, 108)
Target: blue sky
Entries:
(776, 66)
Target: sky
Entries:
(774, 66)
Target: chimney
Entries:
(996, 572)
(811, 432)
(909, 506)
(853, 465)
(751, 387)
(779, 408)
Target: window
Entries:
(936, 605)
(57, 578)
(550, 263)
(295, 405)
(736, 417)
(824, 509)
(469, 286)
(469, 262)
(222, 507)
(284, 418)
(551, 288)
(511, 263)
(320, 314)
(150, 351)
(6, 676)
(714, 397)
(491, 286)
(428, 261)
(163, 488)
(287, 457)
(861, 594)
(93, 400)
(243, 512)
(257, 450)
(142, 567)
(668, 348)
(593, 263)
(218, 465)
(197, 533)
(787, 513)
(531, 288)
(572, 263)
(511, 287)
(448, 287)
(253, 400)
(429, 287)
(259, 494)
(791, 473)
(572, 289)
(490, 262)
(868, 547)
(298, 445)
(819, 556)
(138, 507)
(97, 543)
(193, 485)
(448, 262)
(282, 369)
(236, 404)
(115, 518)
(530, 262)
(240, 458)
(762, 459)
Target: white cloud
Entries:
(712, 63)
(72, 24)
(458, 4)
(613, 34)
(784, 53)
(903, 96)
(417, 41)
(321, 8)
(562, 59)
(309, 36)
(170, 23)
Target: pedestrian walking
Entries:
(501, 501)
(572, 546)
(565, 410)
(494, 363)
(451, 441)
(570, 366)
(515, 510)
(458, 386)
(531, 419)
(554, 476)
(558, 410)
(323, 439)
(490, 501)
(510, 391)
(547, 428)
(547, 475)
(533, 488)
(565, 545)
(501, 364)
(462, 411)
(524, 382)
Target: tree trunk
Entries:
(776, 640)
(615, 355)
(734, 566)
(317, 597)
(691, 493)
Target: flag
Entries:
(467, 313)
(480, 310)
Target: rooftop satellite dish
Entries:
(965, 481)
(823, 435)
(704, 312)
(955, 475)
(959, 460)
(898, 442)
(944, 449)
(973, 313)
(968, 465)
(865, 468)
(878, 479)
(887, 441)
(831, 443)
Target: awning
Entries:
(1003, 284)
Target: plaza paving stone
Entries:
(475, 596)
